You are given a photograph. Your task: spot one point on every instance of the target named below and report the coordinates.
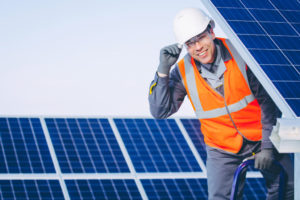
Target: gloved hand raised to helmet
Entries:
(264, 159)
(167, 58)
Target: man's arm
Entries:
(269, 111)
(166, 94)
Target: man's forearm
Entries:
(269, 111)
(166, 95)
(159, 98)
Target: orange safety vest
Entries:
(224, 120)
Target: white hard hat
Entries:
(190, 22)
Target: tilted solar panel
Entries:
(23, 147)
(86, 146)
(85, 158)
(176, 188)
(270, 31)
(103, 189)
(30, 189)
(192, 127)
(156, 145)
(197, 189)
(255, 189)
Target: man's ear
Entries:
(212, 33)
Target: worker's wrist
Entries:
(162, 75)
(161, 80)
(267, 145)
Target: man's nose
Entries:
(198, 45)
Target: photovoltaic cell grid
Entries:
(86, 146)
(255, 189)
(103, 189)
(119, 189)
(270, 29)
(23, 147)
(155, 189)
(176, 188)
(192, 127)
(79, 144)
(197, 189)
(30, 189)
(156, 145)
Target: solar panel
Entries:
(176, 188)
(23, 147)
(156, 145)
(192, 127)
(255, 189)
(86, 146)
(270, 30)
(197, 188)
(103, 189)
(88, 158)
(30, 189)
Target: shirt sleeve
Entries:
(166, 94)
(269, 110)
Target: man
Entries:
(235, 112)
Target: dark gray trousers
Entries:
(221, 166)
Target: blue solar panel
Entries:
(255, 188)
(156, 145)
(86, 146)
(30, 189)
(89, 146)
(236, 14)
(23, 147)
(176, 188)
(270, 30)
(192, 127)
(102, 189)
(263, 15)
(292, 16)
(197, 188)
(288, 5)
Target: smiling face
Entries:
(202, 47)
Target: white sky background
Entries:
(90, 58)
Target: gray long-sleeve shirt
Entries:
(168, 93)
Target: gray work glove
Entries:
(167, 58)
(264, 159)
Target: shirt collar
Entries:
(220, 69)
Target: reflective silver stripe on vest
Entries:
(191, 83)
(238, 59)
(192, 87)
(223, 111)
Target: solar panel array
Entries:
(137, 158)
(117, 158)
(30, 189)
(270, 30)
(105, 158)
(152, 151)
(86, 146)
